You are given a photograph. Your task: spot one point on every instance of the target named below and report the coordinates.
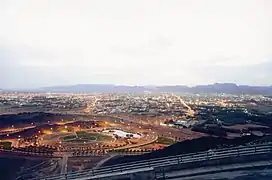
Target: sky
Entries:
(135, 42)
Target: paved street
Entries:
(64, 164)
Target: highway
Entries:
(250, 150)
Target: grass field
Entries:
(166, 141)
(93, 136)
(77, 140)
(83, 136)
(69, 137)
(5, 144)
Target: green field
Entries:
(92, 136)
(77, 140)
(69, 137)
(164, 140)
(85, 136)
(5, 144)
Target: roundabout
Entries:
(81, 134)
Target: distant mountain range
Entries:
(229, 88)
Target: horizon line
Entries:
(131, 85)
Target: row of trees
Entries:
(99, 147)
(131, 151)
(89, 153)
(121, 151)
(42, 150)
(175, 138)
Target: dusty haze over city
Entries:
(144, 42)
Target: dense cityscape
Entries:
(102, 125)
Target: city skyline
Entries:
(50, 43)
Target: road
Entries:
(255, 174)
(64, 163)
(103, 161)
(173, 161)
(76, 135)
(215, 172)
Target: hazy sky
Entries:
(146, 42)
